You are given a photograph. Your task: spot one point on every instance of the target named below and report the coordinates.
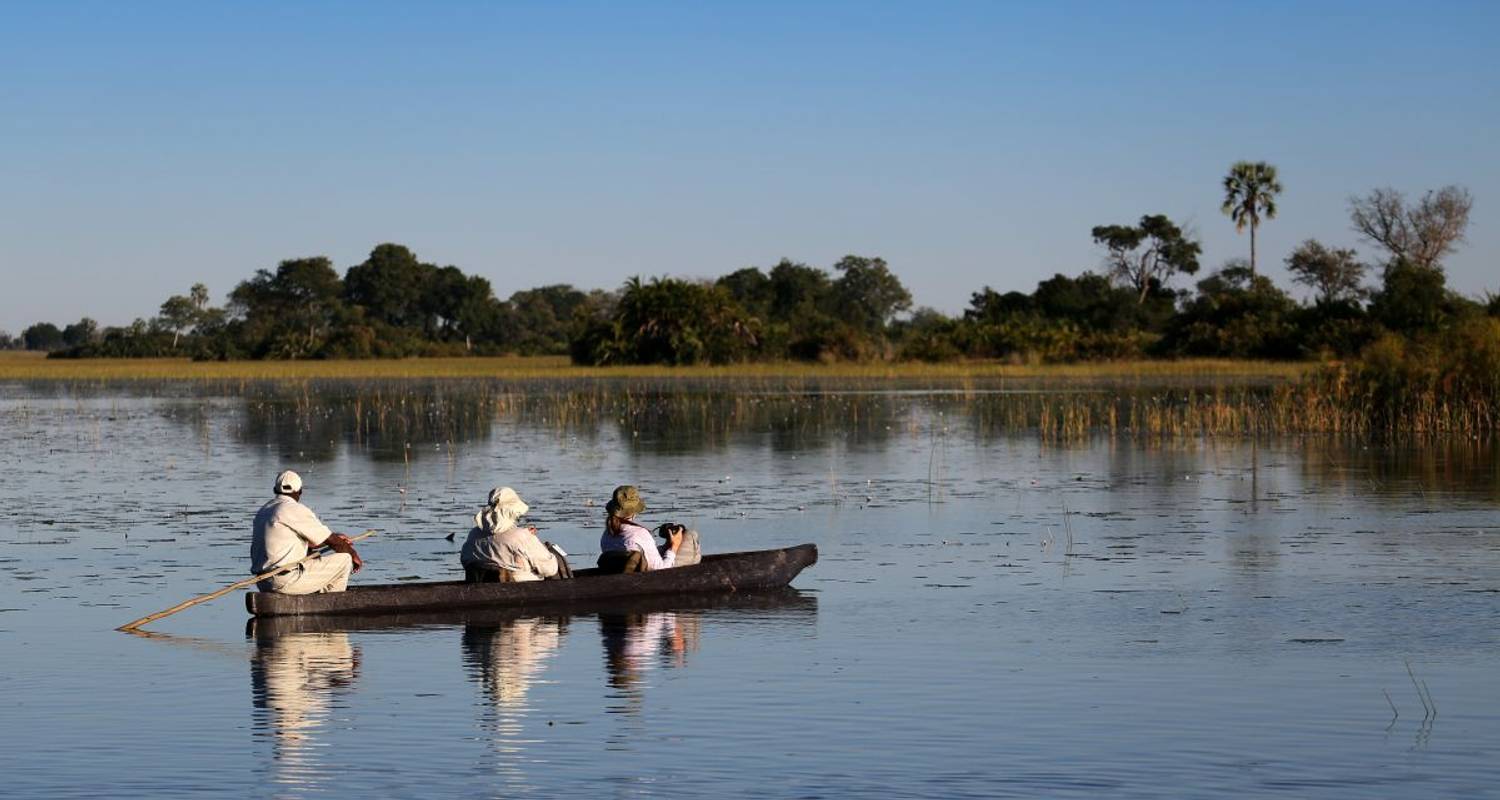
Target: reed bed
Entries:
(22, 366)
(396, 419)
(707, 407)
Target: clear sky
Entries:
(148, 146)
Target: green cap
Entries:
(625, 503)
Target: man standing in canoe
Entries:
(284, 531)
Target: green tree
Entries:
(1418, 234)
(42, 336)
(797, 302)
(1412, 299)
(390, 284)
(537, 321)
(288, 313)
(178, 313)
(1250, 191)
(751, 288)
(80, 333)
(1095, 303)
(989, 306)
(797, 290)
(594, 333)
(671, 321)
(472, 310)
(1336, 275)
(867, 294)
(928, 336)
(189, 312)
(1147, 255)
(454, 304)
(1237, 314)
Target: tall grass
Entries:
(1444, 387)
(15, 366)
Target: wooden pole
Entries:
(130, 627)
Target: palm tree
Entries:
(1250, 191)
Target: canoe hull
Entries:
(726, 572)
(785, 603)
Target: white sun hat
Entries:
(287, 482)
(504, 509)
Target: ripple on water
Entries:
(1194, 618)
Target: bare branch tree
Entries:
(1421, 233)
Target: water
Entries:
(992, 616)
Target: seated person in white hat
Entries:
(499, 549)
(285, 530)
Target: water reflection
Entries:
(414, 420)
(504, 658)
(1468, 466)
(387, 422)
(636, 643)
(301, 664)
(295, 681)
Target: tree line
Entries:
(394, 305)
(391, 305)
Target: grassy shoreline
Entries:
(32, 367)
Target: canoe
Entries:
(718, 573)
(784, 604)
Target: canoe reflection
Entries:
(784, 604)
(302, 665)
(295, 680)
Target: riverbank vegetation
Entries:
(778, 375)
(1400, 353)
(1453, 387)
(394, 305)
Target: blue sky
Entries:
(145, 147)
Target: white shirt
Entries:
(284, 530)
(515, 549)
(634, 537)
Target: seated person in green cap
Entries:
(623, 537)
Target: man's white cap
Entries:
(288, 482)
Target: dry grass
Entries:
(26, 366)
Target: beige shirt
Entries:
(517, 550)
(284, 530)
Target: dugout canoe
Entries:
(722, 572)
(785, 604)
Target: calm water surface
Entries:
(992, 616)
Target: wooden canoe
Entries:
(784, 603)
(723, 572)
